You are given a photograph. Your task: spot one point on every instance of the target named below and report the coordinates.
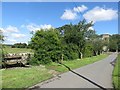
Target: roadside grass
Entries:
(116, 74)
(73, 64)
(24, 77)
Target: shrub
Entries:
(33, 61)
(88, 50)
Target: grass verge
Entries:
(116, 74)
(75, 63)
(26, 77)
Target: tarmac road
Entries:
(100, 72)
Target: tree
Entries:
(114, 42)
(68, 42)
(1, 44)
(47, 46)
(113, 45)
(96, 43)
(88, 49)
(19, 45)
(76, 35)
(1, 36)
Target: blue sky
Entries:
(20, 18)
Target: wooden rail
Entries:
(12, 58)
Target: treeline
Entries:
(20, 45)
(68, 42)
(114, 43)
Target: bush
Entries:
(42, 57)
(70, 55)
(74, 55)
(88, 53)
(88, 50)
(19, 45)
(33, 61)
(56, 55)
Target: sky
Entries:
(20, 18)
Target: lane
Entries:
(99, 72)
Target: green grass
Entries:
(75, 63)
(16, 50)
(116, 74)
(23, 77)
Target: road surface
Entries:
(100, 72)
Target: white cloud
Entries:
(72, 14)
(81, 8)
(46, 26)
(15, 35)
(16, 40)
(100, 14)
(35, 27)
(2, 30)
(11, 29)
(69, 15)
(11, 40)
(91, 28)
(32, 27)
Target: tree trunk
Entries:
(95, 53)
(81, 55)
(62, 58)
(98, 52)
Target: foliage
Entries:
(114, 42)
(88, 50)
(47, 46)
(1, 36)
(77, 34)
(97, 44)
(19, 45)
(68, 42)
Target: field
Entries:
(116, 74)
(23, 77)
(8, 49)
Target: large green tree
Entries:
(76, 34)
(47, 46)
